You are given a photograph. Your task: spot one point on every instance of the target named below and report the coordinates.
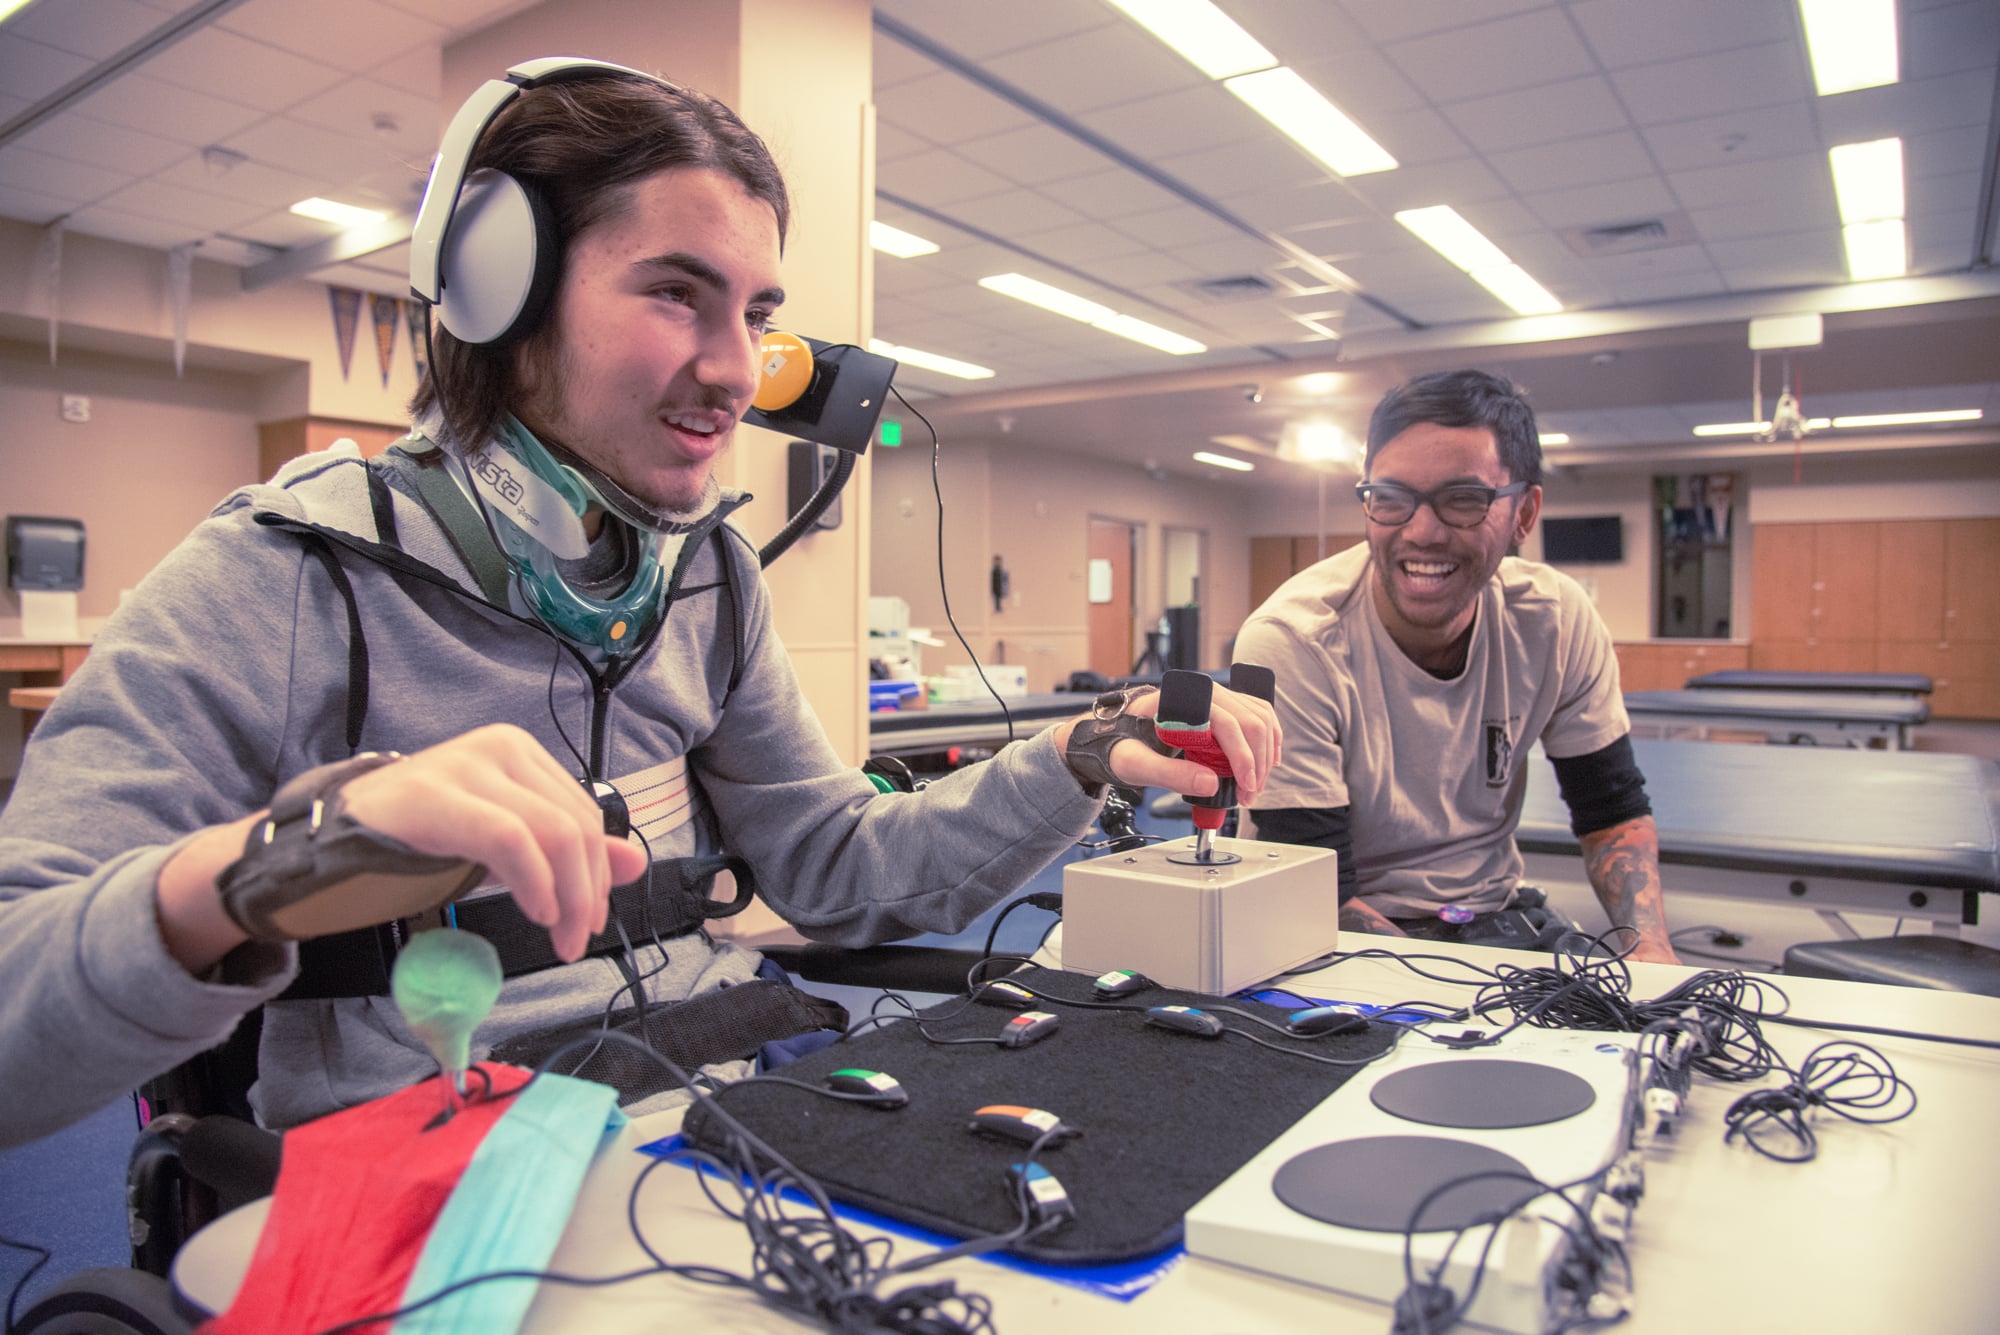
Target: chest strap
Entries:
(358, 963)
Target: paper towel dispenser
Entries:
(44, 553)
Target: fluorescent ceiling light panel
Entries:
(1097, 316)
(1851, 43)
(1200, 34)
(1754, 428)
(1224, 461)
(895, 241)
(930, 361)
(1910, 419)
(1442, 229)
(1877, 249)
(7, 7)
(1868, 179)
(1512, 284)
(1555, 438)
(1281, 97)
(341, 215)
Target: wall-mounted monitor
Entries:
(44, 554)
(1583, 540)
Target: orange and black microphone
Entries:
(1183, 721)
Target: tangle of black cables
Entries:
(1847, 1078)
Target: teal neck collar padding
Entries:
(536, 505)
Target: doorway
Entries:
(1184, 551)
(1113, 554)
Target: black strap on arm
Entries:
(1319, 827)
(357, 644)
(1602, 789)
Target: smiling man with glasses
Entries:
(1416, 671)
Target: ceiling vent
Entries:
(1236, 287)
(1625, 238)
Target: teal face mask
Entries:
(536, 504)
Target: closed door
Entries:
(1111, 641)
(1781, 578)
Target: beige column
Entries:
(799, 73)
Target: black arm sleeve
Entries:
(1602, 789)
(1320, 827)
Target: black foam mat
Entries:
(1166, 1117)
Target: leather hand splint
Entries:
(1088, 754)
(309, 869)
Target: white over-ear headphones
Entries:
(484, 251)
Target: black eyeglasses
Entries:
(1461, 505)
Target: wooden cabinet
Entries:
(1666, 665)
(1276, 559)
(1888, 596)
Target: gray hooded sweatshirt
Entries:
(226, 673)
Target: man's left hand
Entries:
(1245, 727)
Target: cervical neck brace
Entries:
(536, 504)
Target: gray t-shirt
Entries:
(1433, 771)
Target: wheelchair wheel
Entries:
(107, 1302)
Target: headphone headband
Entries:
(431, 236)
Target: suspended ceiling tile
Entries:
(1950, 39)
(982, 31)
(1600, 205)
(167, 110)
(1227, 257)
(419, 72)
(91, 28)
(1634, 289)
(1652, 263)
(1287, 208)
(937, 179)
(253, 72)
(1146, 267)
(893, 142)
(281, 230)
(1250, 165)
(332, 157)
(1501, 219)
(1572, 109)
(1762, 216)
(1944, 152)
(1080, 243)
(360, 109)
(1942, 242)
(171, 203)
(1744, 136)
(1798, 259)
(1182, 225)
(1355, 78)
(1033, 155)
(896, 63)
(1805, 180)
(33, 70)
(1388, 20)
(1519, 51)
(101, 145)
(1942, 194)
(1176, 122)
(1591, 160)
(946, 107)
(1113, 63)
(353, 35)
(1013, 210)
(35, 207)
(57, 178)
(1752, 76)
(150, 231)
(1622, 33)
(1416, 137)
(252, 182)
(1118, 193)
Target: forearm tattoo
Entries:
(1623, 863)
(1358, 917)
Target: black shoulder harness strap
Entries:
(461, 523)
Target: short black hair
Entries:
(1464, 398)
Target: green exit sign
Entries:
(891, 434)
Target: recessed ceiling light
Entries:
(1851, 43)
(1224, 461)
(1095, 314)
(1443, 229)
(1878, 249)
(1201, 34)
(1909, 419)
(341, 215)
(930, 361)
(895, 241)
(1286, 100)
(1868, 179)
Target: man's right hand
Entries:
(493, 796)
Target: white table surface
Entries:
(1891, 1229)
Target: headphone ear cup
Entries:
(499, 260)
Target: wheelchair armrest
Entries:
(903, 968)
(113, 1302)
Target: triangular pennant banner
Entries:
(346, 303)
(417, 314)
(383, 311)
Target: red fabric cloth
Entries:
(356, 1197)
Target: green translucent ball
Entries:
(445, 982)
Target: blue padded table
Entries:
(1854, 683)
(974, 723)
(1906, 833)
(1815, 718)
